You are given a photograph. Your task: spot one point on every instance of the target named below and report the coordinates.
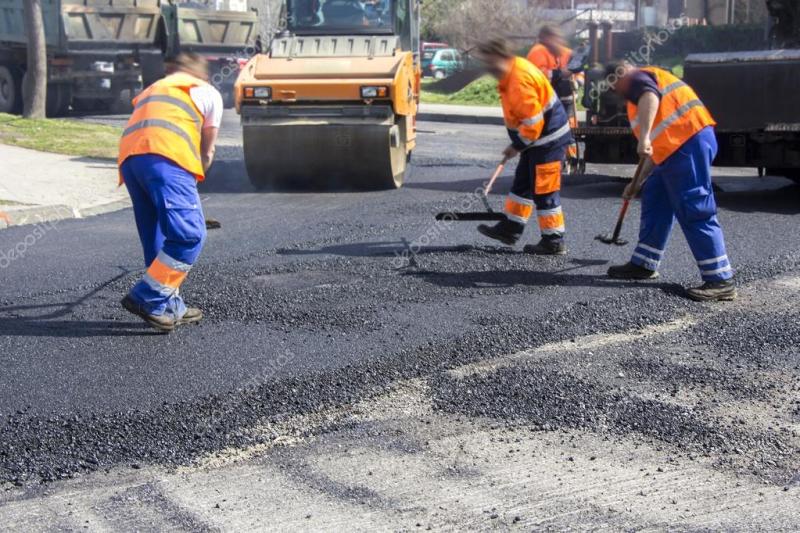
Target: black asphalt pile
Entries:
(347, 276)
(700, 373)
(57, 447)
(761, 340)
(549, 399)
(53, 447)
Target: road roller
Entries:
(332, 102)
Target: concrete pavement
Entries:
(38, 187)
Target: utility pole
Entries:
(34, 88)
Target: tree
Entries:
(464, 23)
(35, 86)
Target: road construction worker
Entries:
(166, 148)
(552, 56)
(540, 133)
(675, 134)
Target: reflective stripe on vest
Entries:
(158, 123)
(679, 117)
(166, 99)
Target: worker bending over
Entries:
(552, 56)
(540, 132)
(166, 148)
(676, 133)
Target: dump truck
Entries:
(226, 37)
(93, 49)
(333, 101)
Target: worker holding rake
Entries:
(540, 133)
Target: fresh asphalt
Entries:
(314, 300)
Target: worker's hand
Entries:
(510, 152)
(646, 168)
(631, 190)
(645, 147)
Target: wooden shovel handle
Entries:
(494, 177)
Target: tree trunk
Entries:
(35, 87)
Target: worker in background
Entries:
(540, 134)
(552, 56)
(676, 134)
(166, 148)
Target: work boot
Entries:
(547, 247)
(631, 271)
(192, 315)
(504, 231)
(159, 322)
(713, 291)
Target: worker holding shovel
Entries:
(676, 137)
(166, 148)
(540, 134)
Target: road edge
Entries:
(51, 213)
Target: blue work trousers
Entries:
(172, 229)
(680, 188)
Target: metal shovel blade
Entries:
(609, 239)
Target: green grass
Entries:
(481, 92)
(60, 136)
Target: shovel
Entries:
(614, 237)
(489, 214)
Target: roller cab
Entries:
(333, 102)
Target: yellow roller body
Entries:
(316, 128)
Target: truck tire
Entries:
(59, 97)
(10, 90)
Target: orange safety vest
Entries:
(541, 56)
(680, 115)
(166, 122)
(530, 105)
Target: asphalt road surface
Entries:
(362, 365)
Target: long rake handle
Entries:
(488, 188)
(621, 219)
(638, 176)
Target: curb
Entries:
(52, 213)
(455, 118)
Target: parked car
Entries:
(446, 62)
(428, 51)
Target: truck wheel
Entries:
(59, 97)
(10, 90)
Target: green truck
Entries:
(102, 52)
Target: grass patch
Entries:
(60, 136)
(481, 92)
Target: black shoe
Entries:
(631, 271)
(547, 247)
(504, 231)
(714, 291)
(193, 315)
(161, 323)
